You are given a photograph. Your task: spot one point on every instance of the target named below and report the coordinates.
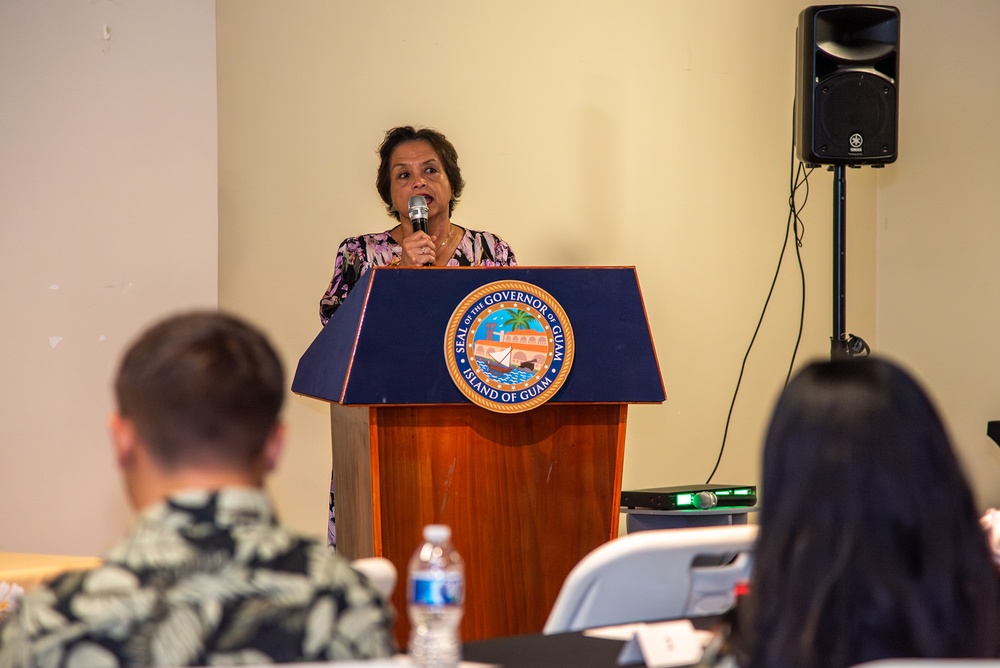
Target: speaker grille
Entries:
(856, 116)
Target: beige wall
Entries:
(108, 219)
(647, 133)
(652, 133)
(938, 225)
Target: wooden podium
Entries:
(527, 494)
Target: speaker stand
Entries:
(839, 340)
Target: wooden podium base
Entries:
(527, 496)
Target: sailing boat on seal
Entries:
(499, 361)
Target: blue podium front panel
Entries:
(385, 344)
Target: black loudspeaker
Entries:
(847, 84)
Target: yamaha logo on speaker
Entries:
(857, 143)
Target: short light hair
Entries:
(201, 387)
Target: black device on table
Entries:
(560, 650)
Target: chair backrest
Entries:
(654, 575)
(380, 571)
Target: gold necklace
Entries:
(447, 238)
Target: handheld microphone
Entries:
(418, 213)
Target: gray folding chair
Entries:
(655, 575)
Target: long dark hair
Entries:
(870, 545)
(444, 148)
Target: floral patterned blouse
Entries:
(205, 578)
(357, 255)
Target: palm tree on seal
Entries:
(519, 319)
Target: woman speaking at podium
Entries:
(413, 164)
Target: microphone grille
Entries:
(416, 200)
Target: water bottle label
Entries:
(429, 590)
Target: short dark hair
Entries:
(444, 148)
(201, 387)
(870, 545)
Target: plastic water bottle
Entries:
(436, 594)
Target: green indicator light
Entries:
(684, 500)
(742, 492)
(723, 492)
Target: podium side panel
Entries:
(527, 496)
(324, 367)
(616, 497)
(352, 480)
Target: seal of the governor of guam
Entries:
(509, 346)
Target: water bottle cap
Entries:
(437, 533)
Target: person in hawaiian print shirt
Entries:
(412, 162)
(207, 576)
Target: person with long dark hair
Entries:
(870, 545)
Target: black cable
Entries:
(803, 172)
(796, 178)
